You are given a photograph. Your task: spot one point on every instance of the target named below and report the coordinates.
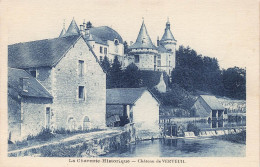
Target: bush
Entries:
(45, 134)
(193, 128)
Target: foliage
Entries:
(44, 135)
(234, 81)
(176, 97)
(195, 72)
(105, 64)
(131, 76)
(126, 49)
(115, 75)
(193, 128)
(89, 24)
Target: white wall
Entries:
(146, 113)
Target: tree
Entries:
(234, 81)
(132, 76)
(115, 74)
(196, 72)
(126, 49)
(105, 64)
(89, 24)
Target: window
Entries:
(101, 49)
(101, 58)
(136, 58)
(158, 62)
(116, 42)
(105, 51)
(169, 63)
(48, 117)
(81, 68)
(33, 73)
(159, 56)
(81, 92)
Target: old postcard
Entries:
(133, 83)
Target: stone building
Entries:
(208, 106)
(147, 56)
(103, 40)
(133, 105)
(28, 104)
(69, 70)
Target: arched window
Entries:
(116, 41)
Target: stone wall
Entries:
(66, 81)
(34, 115)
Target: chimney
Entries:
(24, 84)
(158, 41)
(84, 25)
(81, 30)
(87, 31)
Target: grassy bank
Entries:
(236, 138)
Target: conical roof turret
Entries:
(73, 29)
(167, 33)
(63, 32)
(143, 40)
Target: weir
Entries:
(189, 134)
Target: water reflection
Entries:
(200, 147)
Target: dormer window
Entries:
(116, 42)
(33, 72)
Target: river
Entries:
(193, 147)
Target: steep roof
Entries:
(35, 89)
(124, 95)
(212, 102)
(63, 32)
(162, 49)
(143, 40)
(167, 33)
(73, 29)
(152, 78)
(39, 53)
(105, 33)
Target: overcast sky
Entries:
(223, 29)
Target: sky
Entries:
(225, 29)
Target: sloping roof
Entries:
(124, 95)
(212, 102)
(151, 78)
(105, 33)
(63, 32)
(73, 29)
(143, 40)
(35, 89)
(39, 53)
(167, 33)
(162, 49)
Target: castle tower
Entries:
(144, 51)
(169, 42)
(63, 32)
(73, 29)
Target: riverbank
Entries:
(235, 138)
(80, 145)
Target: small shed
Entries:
(208, 106)
(132, 105)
